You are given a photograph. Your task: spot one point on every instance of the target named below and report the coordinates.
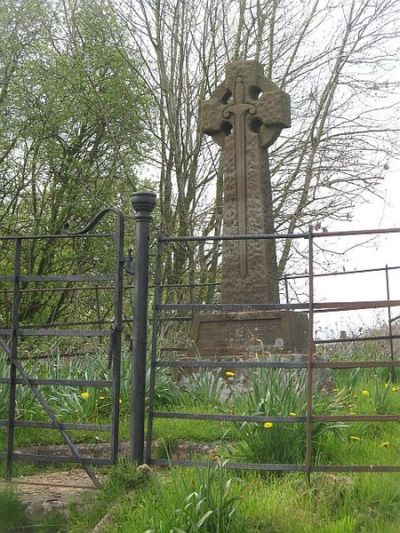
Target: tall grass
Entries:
(14, 517)
(278, 392)
(188, 501)
(79, 404)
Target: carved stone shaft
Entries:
(245, 115)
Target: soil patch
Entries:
(50, 491)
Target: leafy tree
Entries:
(73, 112)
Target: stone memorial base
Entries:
(248, 333)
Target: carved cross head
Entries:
(248, 94)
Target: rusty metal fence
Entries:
(17, 284)
(11, 334)
(164, 312)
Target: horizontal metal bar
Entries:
(9, 483)
(229, 307)
(284, 277)
(355, 364)
(35, 458)
(357, 339)
(356, 418)
(63, 324)
(173, 319)
(55, 356)
(356, 468)
(37, 424)
(70, 289)
(228, 418)
(265, 236)
(206, 363)
(350, 306)
(238, 237)
(186, 285)
(55, 278)
(278, 467)
(62, 236)
(327, 274)
(174, 349)
(63, 382)
(21, 332)
(229, 466)
(278, 419)
(185, 363)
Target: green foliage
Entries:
(78, 404)
(121, 479)
(72, 133)
(14, 517)
(281, 393)
(124, 477)
(205, 387)
(210, 506)
(333, 503)
(166, 391)
(183, 501)
(381, 397)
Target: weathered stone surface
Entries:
(249, 333)
(245, 115)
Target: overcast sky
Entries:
(384, 250)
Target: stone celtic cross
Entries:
(245, 115)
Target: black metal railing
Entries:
(11, 335)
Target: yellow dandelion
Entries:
(356, 439)
(268, 425)
(292, 414)
(395, 389)
(229, 374)
(385, 444)
(85, 395)
(102, 397)
(365, 393)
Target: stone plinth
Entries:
(249, 333)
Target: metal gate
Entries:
(18, 283)
(170, 357)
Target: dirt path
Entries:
(55, 491)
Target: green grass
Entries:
(184, 498)
(15, 518)
(286, 504)
(121, 480)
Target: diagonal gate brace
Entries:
(50, 413)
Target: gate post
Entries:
(143, 203)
